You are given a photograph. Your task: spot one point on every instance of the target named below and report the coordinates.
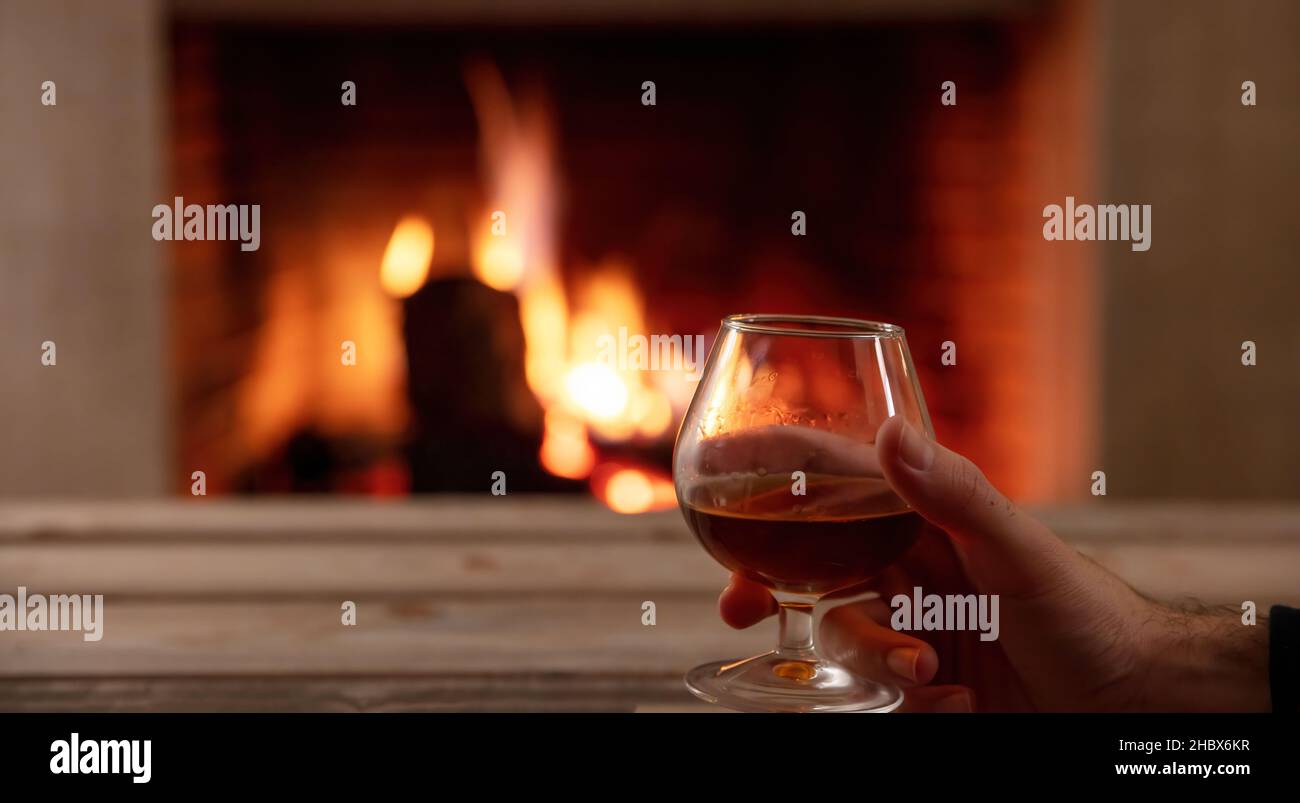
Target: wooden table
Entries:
(508, 603)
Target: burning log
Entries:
(473, 413)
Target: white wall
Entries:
(77, 263)
(1182, 417)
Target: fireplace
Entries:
(377, 341)
(473, 347)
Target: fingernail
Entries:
(902, 662)
(916, 450)
(959, 703)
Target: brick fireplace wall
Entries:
(918, 213)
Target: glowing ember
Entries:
(406, 260)
(630, 491)
(634, 490)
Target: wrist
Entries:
(1205, 661)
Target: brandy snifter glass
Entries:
(776, 473)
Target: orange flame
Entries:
(406, 259)
(584, 392)
(631, 489)
(498, 262)
(566, 452)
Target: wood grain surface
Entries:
(464, 603)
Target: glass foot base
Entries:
(769, 682)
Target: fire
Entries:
(589, 398)
(498, 262)
(406, 259)
(627, 489)
(630, 491)
(544, 316)
(515, 252)
(596, 390)
(566, 452)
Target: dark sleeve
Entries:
(1284, 658)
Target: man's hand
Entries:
(1073, 636)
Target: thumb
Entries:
(1002, 547)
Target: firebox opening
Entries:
(442, 261)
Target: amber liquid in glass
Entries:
(841, 532)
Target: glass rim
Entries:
(852, 327)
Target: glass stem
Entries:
(796, 630)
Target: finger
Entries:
(850, 636)
(744, 602)
(938, 700)
(1003, 547)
